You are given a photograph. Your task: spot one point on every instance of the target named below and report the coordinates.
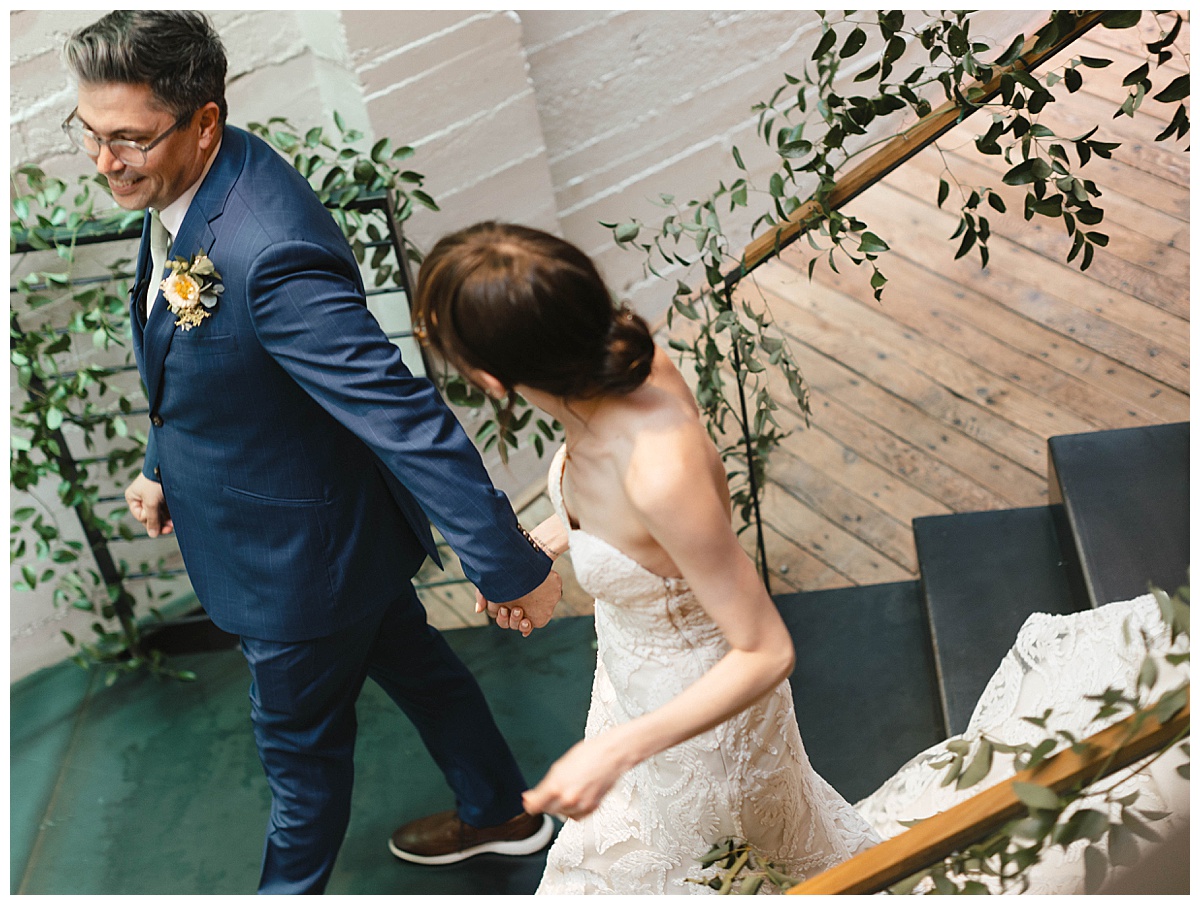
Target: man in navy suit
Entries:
(296, 458)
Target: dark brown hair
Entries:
(531, 310)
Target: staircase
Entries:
(885, 671)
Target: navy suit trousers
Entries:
(303, 698)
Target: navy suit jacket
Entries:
(300, 458)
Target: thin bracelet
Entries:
(534, 542)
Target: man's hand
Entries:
(525, 613)
(148, 505)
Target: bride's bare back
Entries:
(627, 451)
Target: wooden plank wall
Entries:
(941, 397)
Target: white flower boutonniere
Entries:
(192, 290)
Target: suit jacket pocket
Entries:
(197, 342)
(276, 501)
(280, 549)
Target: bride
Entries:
(691, 735)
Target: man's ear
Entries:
(209, 117)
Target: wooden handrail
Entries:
(905, 145)
(970, 821)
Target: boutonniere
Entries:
(192, 290)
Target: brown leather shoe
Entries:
(444, 838)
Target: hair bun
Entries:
(629, 353)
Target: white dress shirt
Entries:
(172, 219)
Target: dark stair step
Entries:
(1123, 498)
(983, 574)
(864, 684)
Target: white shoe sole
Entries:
(527, 846)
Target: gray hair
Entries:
(176, 52)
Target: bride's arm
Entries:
(688, 517)
(551, 535)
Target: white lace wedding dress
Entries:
(747, 778)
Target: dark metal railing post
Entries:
(751, 469)
(68, 469)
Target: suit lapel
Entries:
(195, 235)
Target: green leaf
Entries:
(1121, 18)
(425, 200)
(1148, 674)
(905, 887)
(828, 39)
(1176, 91)
(943, 191)
(1170, 704)
(968, 241)
(626, 232)
(872, 244)
(1012, 51)
(980, 766)
(1037, 797)
(854, 43)
(1022, 174)
(1136, 75)
(793, 150)
(716, 853)
(381, 149)
(1033, 827)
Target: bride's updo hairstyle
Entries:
(530, 309)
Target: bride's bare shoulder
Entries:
(670, 454)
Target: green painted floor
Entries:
(154, 787)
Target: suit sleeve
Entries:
(311, 318)
(150, 463)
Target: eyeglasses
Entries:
(127, 152)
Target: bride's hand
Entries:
(505, 618)
(578, 780)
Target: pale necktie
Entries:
(160, 241)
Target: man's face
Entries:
(115, 110)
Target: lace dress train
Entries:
(747, 778)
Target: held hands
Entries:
(148, 505)
(525, 613)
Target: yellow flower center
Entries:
(188, 289)
(181, 290)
